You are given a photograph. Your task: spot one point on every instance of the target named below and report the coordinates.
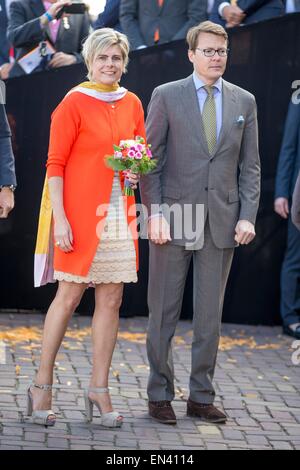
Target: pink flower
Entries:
(131, 154)
(118, 155)
(149, 153)
(138, 155)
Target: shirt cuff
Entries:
(221, 8)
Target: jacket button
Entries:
(206, 189)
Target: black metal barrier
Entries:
(264, 59)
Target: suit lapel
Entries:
(192, 109)
(62, 28)
(228, 113)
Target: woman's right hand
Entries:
(63, 235)
(56, 7)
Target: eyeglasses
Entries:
(212, 52)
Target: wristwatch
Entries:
(9, 186)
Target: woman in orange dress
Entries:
(94, 227)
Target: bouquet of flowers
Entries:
(134, 155)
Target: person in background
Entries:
(5, 64)
(109, 18)
(149, 22)
(287, 172)
(7, 167)
(33, 21)
(239, 12)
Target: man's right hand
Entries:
(281, 207)
(56, 7)
(233, 15)
(159, 230)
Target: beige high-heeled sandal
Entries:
(42, 417)
(113, 419)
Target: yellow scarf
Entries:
(100, 87)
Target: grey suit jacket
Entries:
(7, 163)
(295, 211)
(25, 33)
(227, 183)
(140, 19)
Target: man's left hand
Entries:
(7, 202)
(245, 232)
(60, 59)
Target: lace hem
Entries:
(107, 278)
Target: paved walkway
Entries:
(256, 382)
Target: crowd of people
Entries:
(78, 182)
(26, 24)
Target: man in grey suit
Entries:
(7, 167)
(149, 22)
(203, 131)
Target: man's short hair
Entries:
(204, 27)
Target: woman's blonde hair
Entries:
(204, 27)
(100, 40)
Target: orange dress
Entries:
(83, 131)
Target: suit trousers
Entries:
(290, 278)
(168, 269)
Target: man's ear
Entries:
(191, 55)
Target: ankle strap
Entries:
(42, 387)
(98, 389)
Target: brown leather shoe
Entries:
(162, 411)
(207, 413)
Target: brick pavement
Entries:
(256, 381)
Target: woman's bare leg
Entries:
(108, 299)
(67, 299)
